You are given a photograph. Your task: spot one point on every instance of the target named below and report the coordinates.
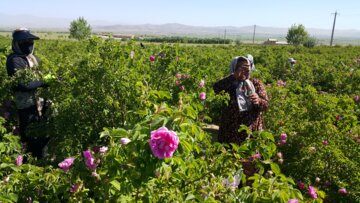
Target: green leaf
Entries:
(104, 134)
(5, 165)
(290, 180)
(15, 168)
(267, 135)
(283, 196)
(156, 121)
(268, 161)
(189, 197)
(116, 184)
(275, 168)
(244, 128)
(186, 145)
(120, 132)
(321, 194)
(210, 200)
(2, 147)
(190, 112)
(243, 148)
(235, 147)
(9, 198)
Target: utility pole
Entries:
(332, 33)
(224, 36)
(254, 34)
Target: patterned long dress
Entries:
(232, 118)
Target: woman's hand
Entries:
(254, 98)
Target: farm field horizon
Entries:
(113, 95)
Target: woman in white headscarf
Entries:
(248, 101)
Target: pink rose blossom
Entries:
(177, 82)
(356, 98)
(356, 137)
(202, 84)
(301, 185)
(163, 142)
(257, 155)
(312, 192)
(281, 83)
(338, 117)
(89, 160)
(279, 154)
(178, 75)
(19, 160)
(124, 141)
(202, 96)
(103, 149)
(342, 191)
(325, 142)
(293, 201)
(283, 136)
(282, 142)
(74, 188)
(66, 164)
(152, 58)
(182, 87)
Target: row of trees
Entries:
(193, 40)
(297, 35)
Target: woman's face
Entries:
(242, 70)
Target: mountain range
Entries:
(35, 23)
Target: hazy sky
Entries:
(276, 13)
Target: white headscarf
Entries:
(248, 57)
(245, 87)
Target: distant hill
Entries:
(62, 24)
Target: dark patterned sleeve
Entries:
(16, 63)
(224, 84)
(261, 91)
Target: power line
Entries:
(332, 32)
